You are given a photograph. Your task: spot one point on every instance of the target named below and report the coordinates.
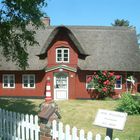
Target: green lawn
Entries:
(79, 113)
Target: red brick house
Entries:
(67, 55)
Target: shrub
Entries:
(103, 82)
(128, 104)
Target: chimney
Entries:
(46, 21)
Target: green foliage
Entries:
(121, 22)
(15, 36)
(128, 104)
(103, 83)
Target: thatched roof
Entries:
(108, 48)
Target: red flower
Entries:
(118, 77)
(111, 74)
(104, 73)
(108, 82)
(105, 83)
(96, 76)
(89, 79)
(104, 89)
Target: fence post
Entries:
(48, 113)
(44, 132)
(109, 132)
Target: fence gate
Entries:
(15, 126)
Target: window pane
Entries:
(31, 77)
(89, 85)
(59, 55)
(25, 84)
(32, 84)
(32, 81)
(8, 80)
(59, 51)
(25, 78)
(118, 83)
(5, 81)
(89, 82)
(5, 84)
(11, 84)
(65, 55)
(118, 86)
(65, 51)
(5, 77)
(62, 55)
(65, 59)
(11, 77)
(59, 59)
(25, 81)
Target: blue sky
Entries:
(93, 12)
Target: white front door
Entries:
(60, 86)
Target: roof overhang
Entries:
(61, 67)
(69, 33)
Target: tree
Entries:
(15, 35)
(121, 22)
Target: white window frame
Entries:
(8, 76)
(28, 79)
(62, 49)
(121, 82)
(87, 83)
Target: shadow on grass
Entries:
(19, 105)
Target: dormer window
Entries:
(62, 55)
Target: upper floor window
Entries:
(62, 55)
(28, 81)
(8, 81)
(89, 82)
(118, 83)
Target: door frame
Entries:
(54, 82)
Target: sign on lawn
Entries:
(110, 119)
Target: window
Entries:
(28, 81)
(8, 81)
(118, 84)
(89, 83)
(62, 55)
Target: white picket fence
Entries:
(59, 132)
(15, 126)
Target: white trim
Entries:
(62, 53)
(28, 79)
(121, 83)
(61, 67)
(8, 75)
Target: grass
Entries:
(79, 113)
(25, 106)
